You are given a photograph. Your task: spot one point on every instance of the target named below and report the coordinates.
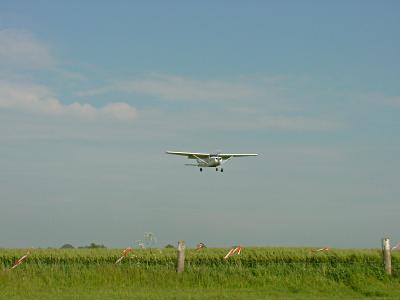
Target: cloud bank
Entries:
(171, 87)
(20, 49)
(39, 99)
(244, 104)
(393, 101)
(292, 123)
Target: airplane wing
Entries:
(191, 155)
(229, 155)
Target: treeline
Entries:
(90, 246)
(96, 246)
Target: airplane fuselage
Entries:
(212, 161)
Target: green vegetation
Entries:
(258, 273)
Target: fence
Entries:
(375, 259)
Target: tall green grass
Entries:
(250, 257)
(279, 273)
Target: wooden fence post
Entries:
(180, 265)
(387, 261)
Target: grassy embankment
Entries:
(258, 273)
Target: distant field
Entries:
(258, 273)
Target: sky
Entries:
(93, 93)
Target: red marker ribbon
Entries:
(20, 261)
(124, 253)
(235, 250)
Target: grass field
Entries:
(258, 273)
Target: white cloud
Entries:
(377, 99)
(283, 123)
(119, 110)
(72, 76)
(181, 88)
(387, 100)
(39, 99)
(271, 107)
(22, 50)
(298, 123)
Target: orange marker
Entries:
(234, 250)
(21, 260)
(124, 254)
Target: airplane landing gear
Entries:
(201, 169)
(222, 169)
(216, 169)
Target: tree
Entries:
(67, 246)
(93, 246)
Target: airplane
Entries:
(209, 160)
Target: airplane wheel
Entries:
(216, 169)
(222, 170)
(201, 169)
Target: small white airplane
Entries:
(209, 160)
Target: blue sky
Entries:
(92, 94)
